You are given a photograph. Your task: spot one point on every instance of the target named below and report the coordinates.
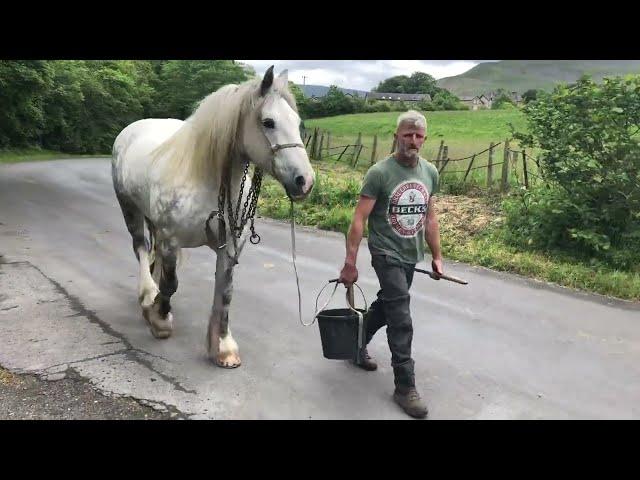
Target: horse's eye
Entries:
(269, 123)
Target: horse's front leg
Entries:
(222, 348)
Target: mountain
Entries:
(522, 75)
(320, 91)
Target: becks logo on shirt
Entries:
(407, 208)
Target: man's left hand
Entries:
(436, 265)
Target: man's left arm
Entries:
(432, 237)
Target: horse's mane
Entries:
(210, 135)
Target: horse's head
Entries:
(271, 136)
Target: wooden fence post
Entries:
(445, 158)
(373, 149)
(505, 167)
(359, 147)
(319, 156)
(314, 142)
(539, 172)
(439, 157)
(469, 168)
(356, 149)
(490, 166)
(524, 169)
(328, 142)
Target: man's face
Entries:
(410, 140)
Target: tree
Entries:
(337, 103)
(395, 84)
(421, 82)
(530, 95)
(183, 83)
(297, 94)
(418, 82)
(91, 101)
(23, 87)
(502, 100)
(63, 107)
(445, 100)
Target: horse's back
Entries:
(131, 156)
(140, 138)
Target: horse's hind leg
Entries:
(148, 289)
(156, 256)
(134, 219)
(158, 314)
(221, 347)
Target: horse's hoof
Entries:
(161, 328)
(228, 360)
(160, 334)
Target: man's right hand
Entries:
(348, 275)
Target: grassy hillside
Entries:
(522, 75)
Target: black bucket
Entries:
(339, 333)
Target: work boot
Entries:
(365, 361)
(409, 399)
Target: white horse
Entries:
(183, 178)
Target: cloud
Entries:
(359, 74)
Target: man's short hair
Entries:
(414, 118)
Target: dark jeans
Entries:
(392, 309)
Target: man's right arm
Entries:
(349, 273)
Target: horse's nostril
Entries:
(300, 181)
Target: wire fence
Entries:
(516, 167)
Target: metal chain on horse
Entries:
(239, 220)
(250, 204)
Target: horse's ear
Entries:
(283, 80)
(267, 81)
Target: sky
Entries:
(360, 74)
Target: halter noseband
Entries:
(276, 147)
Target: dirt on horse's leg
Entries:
(221, 347)
(158, 315)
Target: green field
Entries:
(463, 132)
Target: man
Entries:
(397, 199)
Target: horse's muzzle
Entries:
(300, 189)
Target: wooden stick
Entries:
(435, 276)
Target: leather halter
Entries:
(276, 147)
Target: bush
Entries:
(502, 102)
(590, 159)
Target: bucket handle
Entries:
(315, 316)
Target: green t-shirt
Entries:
(396, 223)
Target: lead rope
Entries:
(293, 254)
(315, 316)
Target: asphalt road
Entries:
(502, 347)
